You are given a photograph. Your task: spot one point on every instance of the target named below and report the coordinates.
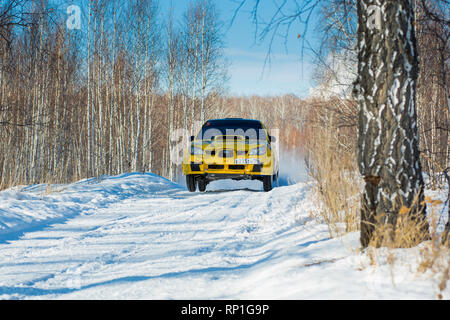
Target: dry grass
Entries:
(332, 165)
(409, 230)
(434, 256)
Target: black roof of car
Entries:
(234, 121)
(229, 123)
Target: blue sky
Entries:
(289, 71)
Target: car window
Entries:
(249, 129)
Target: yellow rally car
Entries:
(231, 148)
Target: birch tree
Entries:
(388, 145)
(172, 68)
(203, 33)
(213, 66)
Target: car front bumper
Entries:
(228, 170)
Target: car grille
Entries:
(215, 167)
(236, 167)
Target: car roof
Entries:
(248, 122)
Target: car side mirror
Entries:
(272, 139)
(192, 138)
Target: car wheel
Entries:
(202, 185)
(267, 183)
(190, 182)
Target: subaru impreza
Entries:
(231, 148)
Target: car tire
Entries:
(190, 183)
(202, 185)
(267, 183)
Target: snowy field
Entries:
(140, 236)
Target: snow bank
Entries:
(140, 236)
(24, 209)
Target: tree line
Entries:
(103, 99)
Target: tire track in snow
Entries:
(149, 235)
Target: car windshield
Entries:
(250, 129)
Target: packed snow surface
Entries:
(140, 236)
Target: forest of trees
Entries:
(103, 99)
(116, 95)
(122, 89)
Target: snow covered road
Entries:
(140, 236)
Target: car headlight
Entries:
(196, 151)
(258, 151)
